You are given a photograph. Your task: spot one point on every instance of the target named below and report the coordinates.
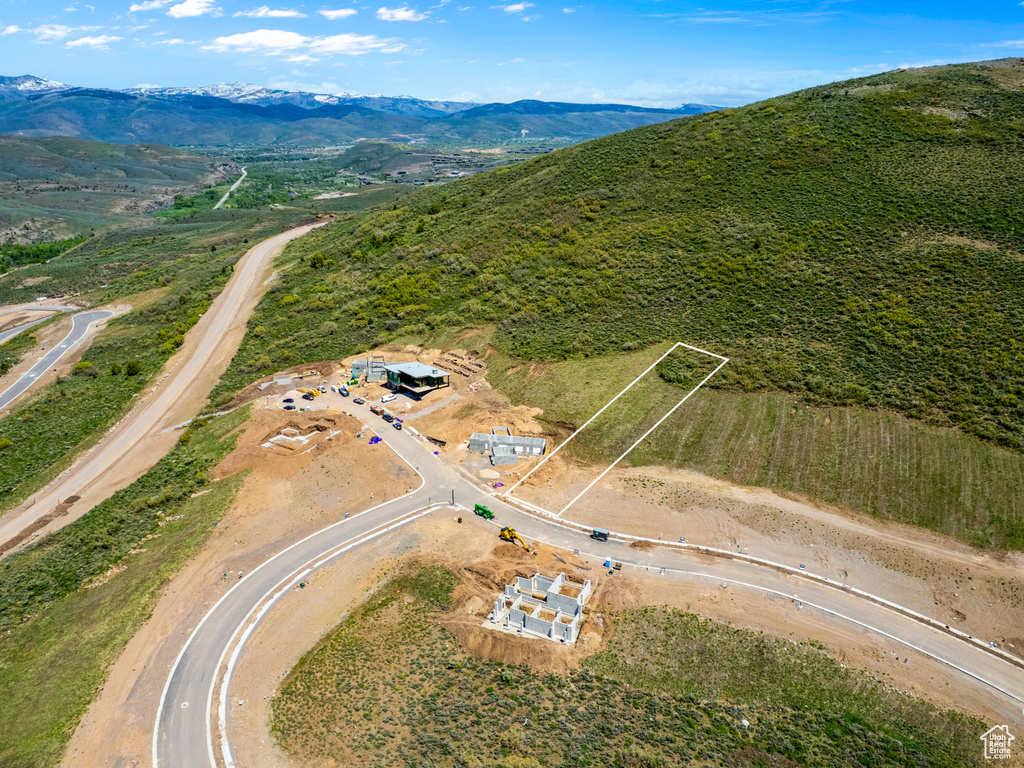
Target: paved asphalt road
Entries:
(182, 736)
(10, 333)
(176, 397)
(47, 308)
(79, 326)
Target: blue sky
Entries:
(655, 53)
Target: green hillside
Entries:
(59, 186)
(857, 244)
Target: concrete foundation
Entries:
(543, 607)
(506, 448)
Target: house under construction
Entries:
(543, 607)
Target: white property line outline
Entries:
(646, 434)
(181, 653)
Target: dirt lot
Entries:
(980, 593)
(18, 317)
(288, 493)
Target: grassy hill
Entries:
(52, 187)
(857, 244)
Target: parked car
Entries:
(307, 396)
(397, 425)
(358, 400)
(289, 407)
(388, 417)
(388, 398)
(288, 400)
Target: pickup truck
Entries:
(377, 410)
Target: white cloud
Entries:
(515, 7)
(340, 13)
(189, 8)
(148, 5)
(355, 45)
(568, 10)
(47, 32)
(1007, 43)
(274, 40)
(172, 41)
(70, 9)
(11, 29)
(99, 42)
(281, 42)
(302, 59)
(265, 11)
(404, 13)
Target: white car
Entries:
(388, 398)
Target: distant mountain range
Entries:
(242, 113)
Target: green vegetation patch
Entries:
(189, 264)
(392, 686)
(58, 639)
(660, 649)
(14, 349)
(14, 254)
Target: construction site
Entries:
(517, 601)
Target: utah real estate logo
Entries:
(997, 742)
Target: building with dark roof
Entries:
(416, 379)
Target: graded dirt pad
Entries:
(978, 592)
(483, 567)
(18, 317)
(283, 499)
(981, 593)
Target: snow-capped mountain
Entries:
(26, 85)
(243, 113)
(248, 93)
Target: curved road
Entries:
(187, 380)
(79, 326)
(230, 190)
(184, 735)
(10, 333)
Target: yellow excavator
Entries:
(510, 535)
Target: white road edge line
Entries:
(74, 318)
(177, 661)
(850, 619)
(261, 609)
(789, 570)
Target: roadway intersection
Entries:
(186, 732)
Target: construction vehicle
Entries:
(483, 512)
(510, 535)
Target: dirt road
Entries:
(137, 442)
